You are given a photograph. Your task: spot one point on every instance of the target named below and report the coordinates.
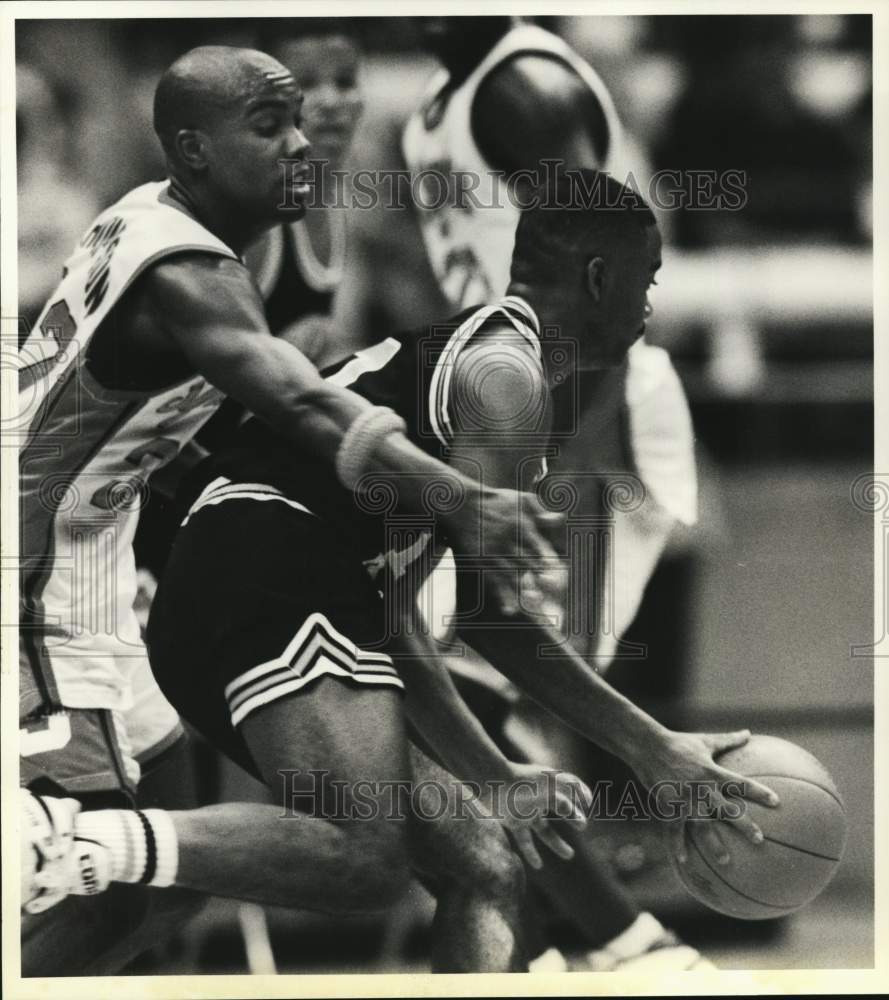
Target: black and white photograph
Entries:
(444, 530)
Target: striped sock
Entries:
(143, 845)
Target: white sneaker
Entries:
(645, 946)
(552, 960)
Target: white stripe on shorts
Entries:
(317, 648)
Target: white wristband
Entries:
(358, 444)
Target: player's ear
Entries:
(190, 146)
(595, 277)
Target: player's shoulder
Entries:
(202, 283)
(535, 82)
(499, 376)
(502, 354)
(196, 271)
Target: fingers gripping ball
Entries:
(805, 837)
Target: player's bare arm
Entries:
(437, 711)
(566, 685)
(213, 315)
(535, 107)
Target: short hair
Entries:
(580, 211)
(203, 81)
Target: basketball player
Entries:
(298, 263)
(512, 100)
(154, 319)
(268, 635)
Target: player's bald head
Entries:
(209, 81)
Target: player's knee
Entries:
(380, 868)
(492, 868)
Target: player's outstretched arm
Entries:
(213, 313)
(565, 684)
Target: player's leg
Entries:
(332, 756)
(332, 861)
(302, 693)
(260, 635)
(477, 878)
(93, 935)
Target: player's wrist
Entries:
(465, 518)
(494, 774)
(644, 746)
(364, 437)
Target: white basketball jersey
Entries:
(469, 237)
(87, 451)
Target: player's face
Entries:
(624, 308)
(326, 70)
(256, 151)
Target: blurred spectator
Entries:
(54, 203)
(770, 96)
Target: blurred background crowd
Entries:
(767, 312)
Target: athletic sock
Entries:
(143, 845)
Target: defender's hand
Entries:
(541, 794)
(513, 532)
(680, 766)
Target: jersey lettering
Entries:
(101, 242)
(122, 493)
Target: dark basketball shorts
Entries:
(261, 600)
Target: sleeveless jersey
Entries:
(409, 372)
(86, 452)
(286, 283)
(469, 247)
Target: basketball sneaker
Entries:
(645, 946)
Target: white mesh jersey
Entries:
(469, 247)
(86, 452)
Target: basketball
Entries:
(804, 837)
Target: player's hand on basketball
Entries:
(55, 863)
(692, 787)
(540, 795)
